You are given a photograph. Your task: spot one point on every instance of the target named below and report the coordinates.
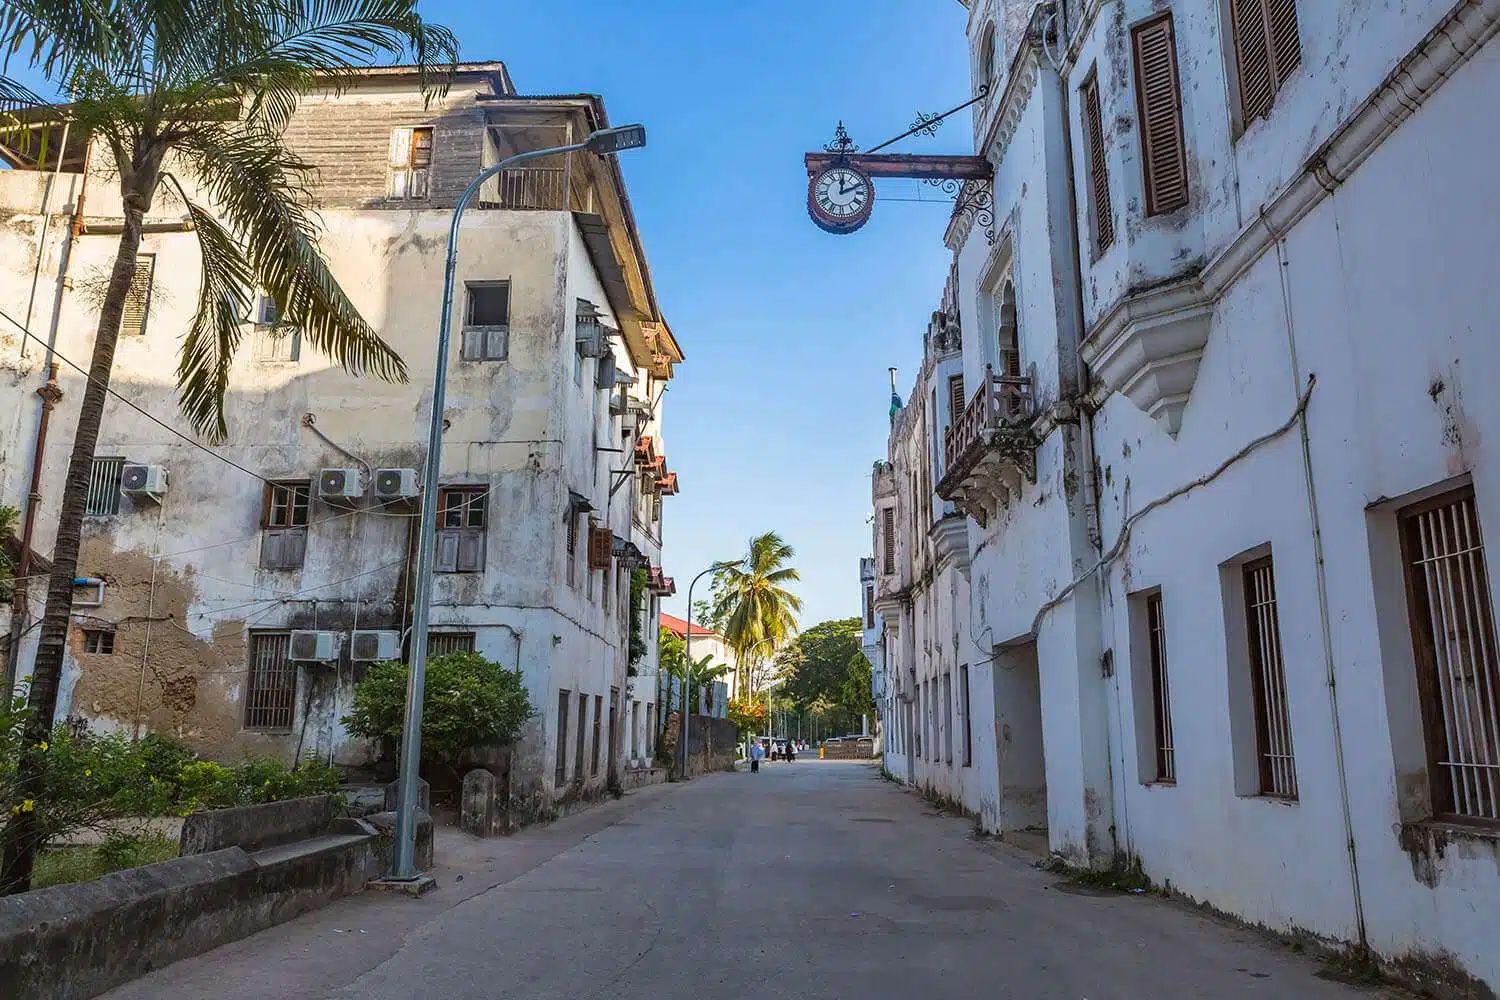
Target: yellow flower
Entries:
(27, 805)
(88, 772)
(42, 745)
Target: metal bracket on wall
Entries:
(621, 475)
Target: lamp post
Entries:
(687, 668)
(602, 142)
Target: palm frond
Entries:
(53, 35)
(208, 350)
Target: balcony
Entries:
(991, 449)
(541, 188)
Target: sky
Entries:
(781, 408)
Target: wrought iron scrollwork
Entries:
(841, 144)
(974, 201)
(925, 124)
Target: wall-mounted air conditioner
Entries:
(339, 485)
(396, 484)
(369, 645)
(144, 482)
(313, 647)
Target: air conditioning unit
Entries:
(313, 647)
(144, 481)
(591, 340)
(368, 645)
(339, 485)
(396, 484)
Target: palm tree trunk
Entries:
(23, 834)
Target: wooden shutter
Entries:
(1267, 50)
(888, 539)
(1093, 127)
(138, 299)
(470, 550)
(956, 398)
(601, 547)
(447, 552)
(1159, 101)
(400, 162)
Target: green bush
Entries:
(469, 702)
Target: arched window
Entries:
(987, 56)
(1007, 335)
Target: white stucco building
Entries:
(553, 467)
(1228, 455)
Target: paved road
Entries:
(807, 881)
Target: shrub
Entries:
(468, 702)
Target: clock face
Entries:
(840, 199)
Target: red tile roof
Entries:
(679, 627)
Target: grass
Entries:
(63, 865)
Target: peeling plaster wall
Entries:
(519, 426)
(1391, 296)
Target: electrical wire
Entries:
(285, 598)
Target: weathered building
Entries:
(1224, 306)
(210, 570)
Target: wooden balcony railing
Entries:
(1001, 402)
(543, 188)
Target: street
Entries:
(808, 880)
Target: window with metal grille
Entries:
(635, 729)
(963, 694)
(869, 607)
(463, 516)
(572, 555)
(598, 714)
(486, 333)
(410, 162)
(1453, 635)
(1273, 723)
(1161, 700)
(1098, 169)
(560, 775)
(888, 540)
(583, 718)
(104, 487)
(440, 643)
(956, 398)
(283, 540)
(99, 641)
(948, 717)
(1267, 51)
(271, 684)
(1159, 102)
(138, 298)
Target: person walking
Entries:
(756, 753)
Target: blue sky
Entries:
(777, 415)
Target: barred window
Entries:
(271, 683)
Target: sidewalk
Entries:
(312, 956)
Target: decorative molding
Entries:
(1148, 345)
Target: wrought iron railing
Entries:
(544, 188)
(1001, 402)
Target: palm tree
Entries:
(754, 603)
(50, 36)
(205, 88)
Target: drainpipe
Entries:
(1283, 269)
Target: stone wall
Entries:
(712, 745)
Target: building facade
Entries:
(1223, 469)
(236, 593)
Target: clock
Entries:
(840, 198)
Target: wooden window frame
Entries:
(285, 514)
(598, 732)
(1161, 121)
(564, 712)
(136, 315)
(1270, 699)
(485, 341)
(1274, 28)
(583, 734)
(99, 641)
(869, 606)
(410, 162)
(1096, 172)
(957, 401)
(963, 677)
(1165, 752)
(1472, 598)
(888, 540)
(462, 528)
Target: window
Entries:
(888, 540)
(411, 162)
(987, 57)
(598, 714)
(104, 487)
(1008, 334)
(1098, 170)
(1267, 50)
(138, 298)
(463, 515)
(635, 730)
(948, 717)
(869, 607)
(440, 643)
(99, 641)
(271, 685)
(1273, 725)
(283, 345)
(486, 334)
(283, 540)
(583, 715)
(1453, 635)
(650, 728)
(608, 585)
(1161, 701)
(956, 399)
(572, 546)
(963, 682)
(587, 332)
(1159, 102)
(560, 775)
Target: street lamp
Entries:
(687, 668)
(602, 142)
